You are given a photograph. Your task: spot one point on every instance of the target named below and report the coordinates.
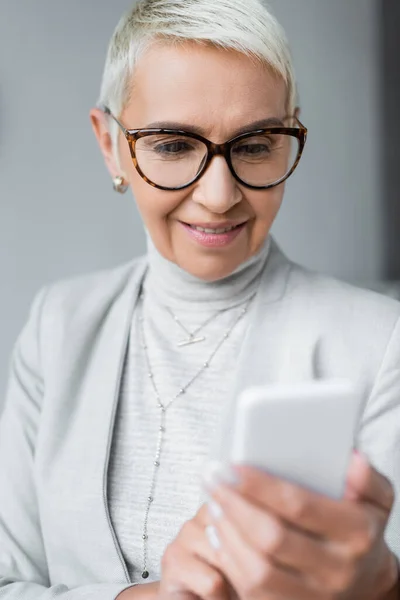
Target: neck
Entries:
(170, 285)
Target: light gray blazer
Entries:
(56, 537)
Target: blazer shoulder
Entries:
(101, 286)
(342, 301)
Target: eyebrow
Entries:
(261, 124)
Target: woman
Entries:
(120, 379)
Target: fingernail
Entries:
(215, 510)
(360, 456)
(213, 537)
(217, 473)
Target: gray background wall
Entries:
(58, 215)
(390, 122)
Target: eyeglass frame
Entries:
(213, 149)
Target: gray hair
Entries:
(246, 26)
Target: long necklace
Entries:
(192, 336)
(163, 407)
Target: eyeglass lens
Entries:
(172, 160)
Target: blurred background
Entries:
(58, 213)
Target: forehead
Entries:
(215, 89)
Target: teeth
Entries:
(206, 230)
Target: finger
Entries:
(301, 508)
(194, 540)
(273, 538)
(183, 576)
(253, 576)
(365, 483)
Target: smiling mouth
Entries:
(215, 231)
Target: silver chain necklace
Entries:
(163, 407)
(193, 335)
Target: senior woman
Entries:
(121, 379)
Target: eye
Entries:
(253, 149)
(172, 148)
(261, 148)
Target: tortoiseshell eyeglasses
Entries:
(173, 159)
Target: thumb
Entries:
(357, 476)
(365, 484)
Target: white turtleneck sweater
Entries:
(191, 421)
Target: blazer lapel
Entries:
(109, 361)
(84, 401)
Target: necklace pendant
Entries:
(191, 340)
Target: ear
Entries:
(297, 112)
(101, 131)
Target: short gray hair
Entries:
(246, 26)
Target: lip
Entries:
(215, 224)
(214, 240)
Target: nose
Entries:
(217, 189)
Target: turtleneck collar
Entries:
(169, 285)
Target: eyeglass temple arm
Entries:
(108, 112)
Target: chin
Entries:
(209, 268)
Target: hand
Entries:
(144, 591)
(279, 541)
(189, 568)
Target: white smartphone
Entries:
(303, 432)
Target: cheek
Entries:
(265, 208)
(266, 205)
(156, 208)
(154, 205)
